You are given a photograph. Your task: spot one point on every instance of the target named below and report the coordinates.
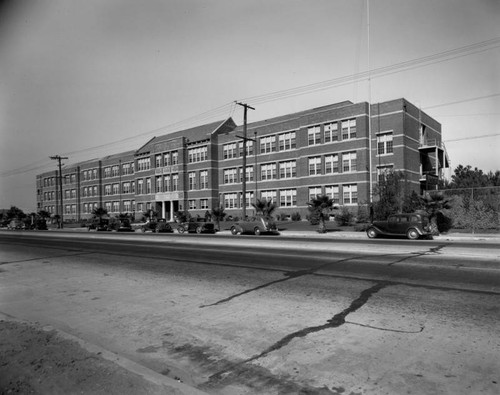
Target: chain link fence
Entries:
(474, 209)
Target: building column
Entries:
(163, 209)
(171, 211)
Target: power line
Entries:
(473, 137)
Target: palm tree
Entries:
(218, 214)
(99, 212)
(264, 207)
(320, 207)
(434, 203)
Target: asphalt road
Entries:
(270, 315)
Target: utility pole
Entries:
(59, 158)
(244, 170)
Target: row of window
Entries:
(161, 160)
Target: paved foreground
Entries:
(248, 327)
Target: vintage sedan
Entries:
(257, 226)
(198, 225)
(156, 226)
(413, 226)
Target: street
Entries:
(270, 315)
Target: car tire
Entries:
(256, 231)
(234, 231)
(371, 233)
(198, 229)
(180, 229)
(412, 234)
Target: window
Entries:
(384, 144)
(159, 184)
(148, 185)
(230, 175)
(204, 179)
(116, 207)
(269, 196)
(192, 180)
(132, 184)
(268, 171)
(314, 135)
(313, 192)
(350, 194)
(158, 161)
(349, 162)
(143, 164)
(73, 193)
(333, 193)
(288, 169)
(249, 171)
(116, 189)
(107, 189)
(167, 184)
(229, 150)
(382, 172)
(249, 199)
(94, 191)
(288, 197)
(126, 187)
(67, 193)
(140, 207)
(126, 206)
(86, 208)
(126, 168)
(115, 171)
(175, 182)
(315, 165)
(107, 206)
(249, 148)
(331, 132)
(331, 164)
(167, 159)
(267, 144)
(287, 141)
(230, 200)
(94, 174)
(197, 154)
(175, 158)
(204, 204)
(349, 129)
(140, 186)
(192, 204)
(107, 172)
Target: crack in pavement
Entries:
(334, 322)
(385, 329)
(47, 257)
(430, 251)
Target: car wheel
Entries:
(180, 229)
(198, 229)
(371, 233)
(256, 231)
(412, 234)
(234, 231)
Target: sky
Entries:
(84, 79)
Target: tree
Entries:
(434, 203)
(219, 214)
(14, 213)
(467, 177)
(391, 190)
(320, 208)
(99, 212)
(264, 207)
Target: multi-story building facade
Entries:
(289, 159)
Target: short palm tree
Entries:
(218, 214)
(264, 207)
(99, 212)
(320, 207)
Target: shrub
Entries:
(296, 216)
(344, 217)
(313, 218)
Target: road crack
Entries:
(336, 321)
(431, 251)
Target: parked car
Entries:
(16, 224)
(413, 226)
(122, 225)
(257, 226)
(98, 224)
(157, 226)
(199, 225)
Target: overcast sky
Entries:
(88, 78)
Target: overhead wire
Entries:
(282, 94)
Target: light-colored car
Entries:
(413, 226)
(256, 226)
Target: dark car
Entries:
(98, 224)
(122, 225)
(413, 226)
(198, 225)
(16, 224)
(158, 226)
(257, 226)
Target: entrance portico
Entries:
(169, 202)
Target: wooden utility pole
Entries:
(59, 158)
(244, 170)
